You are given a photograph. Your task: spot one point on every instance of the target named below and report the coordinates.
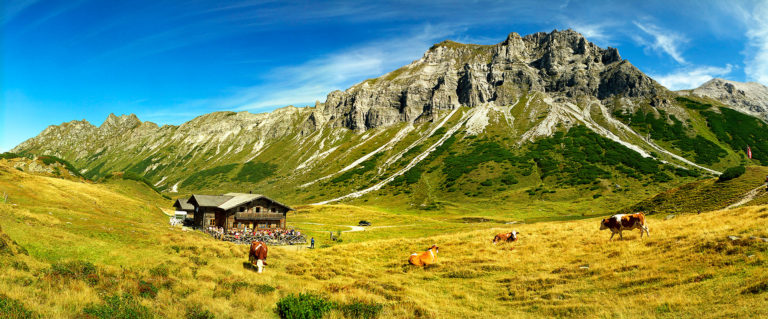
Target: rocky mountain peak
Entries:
(120, 122)
(750, 97)
(452, 74)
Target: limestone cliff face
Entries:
(750, 98)
(451, 74)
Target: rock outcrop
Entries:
(451, 74)
(750, 97)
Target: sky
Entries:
(170, 61)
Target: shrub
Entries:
(263, 289)
(731, 173)
(9, 155)
(162, 270)
(303, 306)
(76, 269)
(50, 159)
(197, 312)
(125, 306)
(359, 309)
(12, 308)
(147, 289)
(760, 287)
(508, 179)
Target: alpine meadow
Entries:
(611, 194)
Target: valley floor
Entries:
(104, 250)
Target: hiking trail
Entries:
(749, 196)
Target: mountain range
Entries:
(545, 117)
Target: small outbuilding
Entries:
(183, 205)
(237, 210)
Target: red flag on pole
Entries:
(749, 152)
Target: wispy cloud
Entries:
(593, 32)
(756, 64)
(12, 8)
(663, 40)
(692, 77)
(312, 80)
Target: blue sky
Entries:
(170, 61)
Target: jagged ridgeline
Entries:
(545, 116)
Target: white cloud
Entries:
(756, 64)
(690, 78)
(663, 40)
(314, 79)
(593, 32)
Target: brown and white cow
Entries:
(620, 222)
(424, 258)
(258, 255)
(506, 237)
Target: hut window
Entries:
(258, 209)
(242, 209)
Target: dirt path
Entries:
(357, 228)
(749, 196)
(352, 228)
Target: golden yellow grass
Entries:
(687, 268)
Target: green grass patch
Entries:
(255, 172)
(364, 167)
(76, 269)
(582, 157)
(692, 104)
(50, 159)
(303, 306)
(206, 176)
(360, 309)
(12, 308)
(739, 131)
(198, 312)
(116, 306)
(658, 127)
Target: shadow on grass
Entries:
(249, 266)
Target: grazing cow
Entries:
(506, 237)
(425, 258)
(621, 222)
(258, 254)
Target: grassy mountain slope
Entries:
(86, 259)
(706, 195)
(499, 128)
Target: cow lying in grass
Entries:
(257, 255)
(621, 222)
(506, 237)
(424, 258)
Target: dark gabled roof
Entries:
(184, 204)
(208, 200)
(228, 200)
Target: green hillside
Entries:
(104, 250)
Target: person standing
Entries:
(312, 243)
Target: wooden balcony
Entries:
(258, 216)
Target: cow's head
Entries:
(434, 247)
(603, 224)
(513, 235)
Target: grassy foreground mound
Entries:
(95, 250)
